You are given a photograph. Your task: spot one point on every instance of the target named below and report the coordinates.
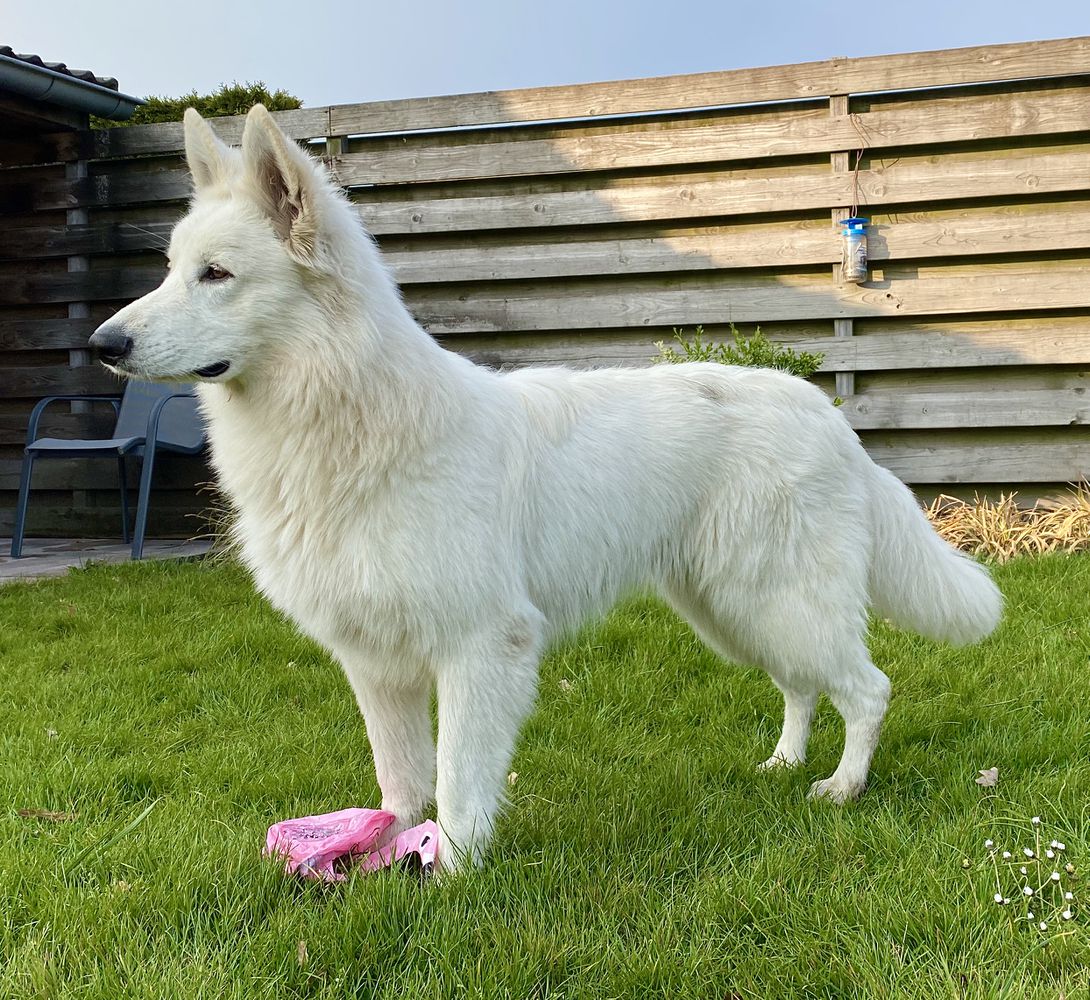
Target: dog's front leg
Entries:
(484, 696)
(398, 720)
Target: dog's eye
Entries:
(215, 273)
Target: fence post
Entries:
(334, 147)
(78, 357)
(839, 107)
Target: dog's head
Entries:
(249, 253)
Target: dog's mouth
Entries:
(213, 371)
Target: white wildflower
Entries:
(1006, 855)
(1066, 914)
(1036, 821)
(1028, 852)
(998, 897)
(1055, 876)
(989, 843)
(1027, 891)
(1043, 926)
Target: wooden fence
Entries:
(582, 224)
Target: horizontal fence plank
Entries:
(756, 134)
(48, 520)
(909, 71)
(689, 300)
(993, 343)
(55, 422)
(100, 285)
(992, 457)
(979, 346)
(121, 185)
(172, 472)
(1015, 229)
(902, 411)
(169, 137)
(17, 334)
(50, 380)
(784, 244)
(101, 237)
(905, 180)
(872, 74)
(767, 244)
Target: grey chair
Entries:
(150, 417)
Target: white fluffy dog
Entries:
(434, 524)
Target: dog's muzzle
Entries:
(110, 346)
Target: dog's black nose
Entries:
(110, 345)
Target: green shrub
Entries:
(753, 352)
(230, 99)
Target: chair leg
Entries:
(21, 505)
(124, 499)
(142, 503)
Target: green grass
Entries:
(641, 855)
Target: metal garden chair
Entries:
(145, 424)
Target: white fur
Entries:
(435, 525)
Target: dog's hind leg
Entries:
(724, 630)
(808, 640)
(398, 721)
(860, 692)
(485, 693)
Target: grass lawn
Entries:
(642, 856)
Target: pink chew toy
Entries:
(324, 847)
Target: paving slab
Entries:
(45, 557)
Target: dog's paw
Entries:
(775, 761)
(835, 790)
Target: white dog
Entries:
(434, 524)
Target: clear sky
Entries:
(340, 52)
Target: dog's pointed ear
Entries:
(286, 184)
(205, 153)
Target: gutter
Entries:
(51, 87)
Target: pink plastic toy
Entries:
(415, 848)
(324, 847)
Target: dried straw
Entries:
(1000, 529)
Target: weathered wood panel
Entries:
(908, 411)
(901, 181)
(943, 68)
(581, 224)
(754, 298)
(762, 134)
(18, 334)
(972, 231)
(1008, 457)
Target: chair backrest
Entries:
(180, 424)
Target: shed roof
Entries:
(37, 86)
(109, 82)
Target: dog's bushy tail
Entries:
(919, 581)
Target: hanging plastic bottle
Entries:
(853, 261)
